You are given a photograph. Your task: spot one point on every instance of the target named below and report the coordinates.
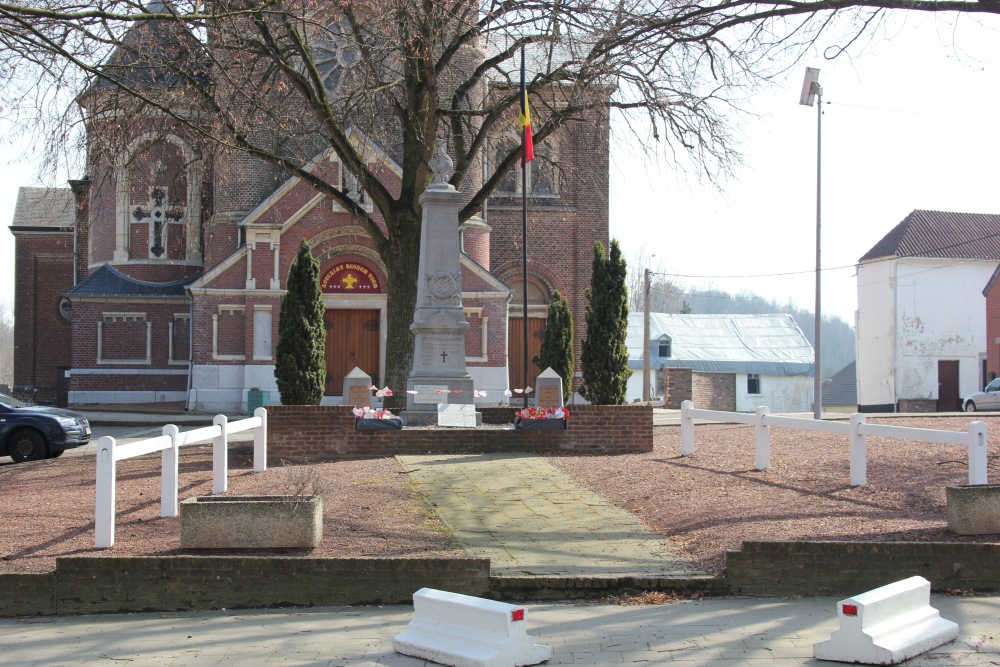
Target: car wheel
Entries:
(54, 454)
(970, 406)
(27, 446)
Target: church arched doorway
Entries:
(354, 321)
(538, 309)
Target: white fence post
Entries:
(687, 429)
(104, 517)
(763, 433)
(858, 451)
(220, 456)
(260, 441)
(170, 462)
(977, 453)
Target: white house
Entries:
(921, 320)
(734, 362)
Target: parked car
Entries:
(33, 432)
(987, 399)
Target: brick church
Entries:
(158, 277)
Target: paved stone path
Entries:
(716, 632)
(530, 518)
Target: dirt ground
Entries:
(705, 504)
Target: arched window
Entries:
(542, 172)
(501, 148)
(538, 297)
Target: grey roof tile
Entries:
(108, 281)
(941, 234)
(44, 207)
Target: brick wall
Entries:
(677, 387)
(714, 391)
(992, 331)
(918, 405)
(187, 583)
(43, 271)
(314, 433)
(708, 391)
(847, 568)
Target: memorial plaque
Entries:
(549, 397)
(359, 397)
(428, 393)
(457, 415)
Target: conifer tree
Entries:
(557, 345)
(605, 355)
(299, 363)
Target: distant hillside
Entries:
(666, 297)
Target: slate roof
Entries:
(941, 234)
(763, 344)
(842, 388)
(108, 281)
(153, 53)
(41, 208)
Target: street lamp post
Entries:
(645, 335)
(811, 90)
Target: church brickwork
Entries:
(201, 248)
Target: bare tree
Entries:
(6, 342)
(291, 79)
(280, 81)
(665, 296)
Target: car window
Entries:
(993, 386)
(11, 402)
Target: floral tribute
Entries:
(543, 413)
(369, 413)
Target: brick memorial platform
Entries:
(318, 433)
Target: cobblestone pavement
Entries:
(530, 518)
(716, 632)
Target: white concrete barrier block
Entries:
(465, 631)
(887, 625)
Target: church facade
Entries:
(171, 273)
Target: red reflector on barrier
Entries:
(850, 610)
(517, 615)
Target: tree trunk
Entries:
(401, 254)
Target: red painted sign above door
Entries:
(350, 278)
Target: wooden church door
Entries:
(352, 339)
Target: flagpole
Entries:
(524, 230)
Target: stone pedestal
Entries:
(439, 374)
(548, 389)
(357, 389)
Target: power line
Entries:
(889, 258)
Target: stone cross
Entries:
(157, 215)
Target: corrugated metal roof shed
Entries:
(763, 344)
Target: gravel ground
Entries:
(704, 504)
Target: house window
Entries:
(753, 383)
(664, 346)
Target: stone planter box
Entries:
(539, 424)
(378, 424)
(973, 509)
(251, 522)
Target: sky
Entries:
(910, 121)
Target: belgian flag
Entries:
(524, 120)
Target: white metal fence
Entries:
(169, 443)
(856, 429)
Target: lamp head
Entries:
(810, 87)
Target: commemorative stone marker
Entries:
(439, 323)
(548, 389)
